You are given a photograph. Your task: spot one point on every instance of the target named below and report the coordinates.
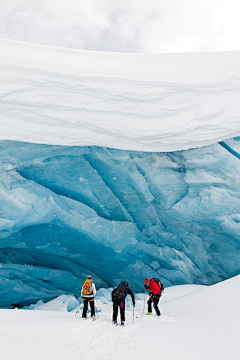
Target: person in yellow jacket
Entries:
(88, 293)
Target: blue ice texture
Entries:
(66, 212)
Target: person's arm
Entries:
(113, 292)
(94, 289)
(129, 291)
(82, 295)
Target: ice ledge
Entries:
(142, 102)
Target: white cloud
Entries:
(131, 26)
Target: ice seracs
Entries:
(67, 210)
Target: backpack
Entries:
(87, 289)
(159, 284)
(121, 290)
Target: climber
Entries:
(88, 293)
(155, 288)
(118, 297)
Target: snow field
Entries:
(197, 322)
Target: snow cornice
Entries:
(143, 102)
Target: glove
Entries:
(134, 305)
(146, 287)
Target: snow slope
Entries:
(148, 102)
(198, 323)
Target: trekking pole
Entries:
(144, 301)
(78, 307)
(133, 315)
(96, 312)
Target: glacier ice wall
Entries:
(69, 211)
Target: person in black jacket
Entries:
(118, 297)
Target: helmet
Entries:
(89, 277)
(146, 281)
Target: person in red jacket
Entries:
(154, 295)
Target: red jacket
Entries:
(154, 287)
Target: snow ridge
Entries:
(143, 102)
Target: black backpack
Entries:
(160, 284)
(121, 290)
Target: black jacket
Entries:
(129, 292)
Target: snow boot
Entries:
(122, 323)
(93, 317)
(84, 318)
(149, 313)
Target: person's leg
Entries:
(115, 311)
(92, 307)
(155, 304)
(122, 311)
(85, 307)
(149, 302)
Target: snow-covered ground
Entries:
(143, 102)
(197, 323)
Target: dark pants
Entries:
(121, 304)
(155, 300)
(85, 306)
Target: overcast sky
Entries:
(124, 25)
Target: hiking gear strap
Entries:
(121, 291)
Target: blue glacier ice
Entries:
(66, 212)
